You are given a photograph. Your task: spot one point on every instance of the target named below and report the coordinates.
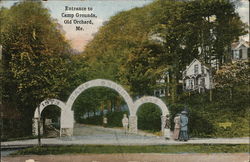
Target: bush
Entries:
(149, 117)
(205, 116)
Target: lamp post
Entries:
(39, 128)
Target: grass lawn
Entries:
(99, 149)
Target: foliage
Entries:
(149, 117)
(78, 74)
(233, 74)
(93, 120)
(141, 69)
(35, 58)
(96, 100)
(100, 149)
(205, 116)
(162, 36)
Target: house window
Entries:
(202, 69)
(196, 69)
(203, 82)
(240, 54)
(236, 54)
(162, 92)
(157, 94)
(190, 84)
(196, 81)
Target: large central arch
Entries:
(67, 114)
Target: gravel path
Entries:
(85, 134)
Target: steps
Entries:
(51, 131)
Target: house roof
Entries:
(194, 60)
(237, 45)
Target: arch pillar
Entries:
(35, 122)
(67, 123)
(133, 124)
(38, 112)
(163, 123)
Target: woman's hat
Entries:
(184, 112)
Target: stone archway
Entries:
(67, 115)
(68, 129)
(42, 106)
(153, 100)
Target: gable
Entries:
(194, 62)
(241, 45)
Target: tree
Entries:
(231, 75)
(35, 57)
(164, 35)
(141, 69)
(199, 29)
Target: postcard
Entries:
(124, 80)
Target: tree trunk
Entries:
(231, 94)
(211, 83)
(173, 88)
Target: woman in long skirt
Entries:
(177, 127)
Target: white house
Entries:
(160, 90)
(196, 77)
(240, 50)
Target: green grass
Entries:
(99, 149)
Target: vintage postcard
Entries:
(125, 80)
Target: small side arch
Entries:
(153, 100)
(39, 110)
(48, 102)
(158, 102)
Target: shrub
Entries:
(149, 117)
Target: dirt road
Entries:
(220, 157)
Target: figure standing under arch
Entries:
(125, 123)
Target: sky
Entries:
(103, 9)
